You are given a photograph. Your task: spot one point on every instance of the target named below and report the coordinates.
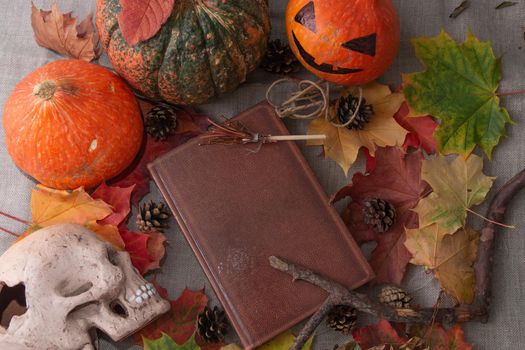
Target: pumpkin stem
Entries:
(45, 90)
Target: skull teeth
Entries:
(143, 293)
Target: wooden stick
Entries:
(296, 137)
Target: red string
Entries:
(9, 232)
(15, 218)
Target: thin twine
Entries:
(350, 120)
(312, 92)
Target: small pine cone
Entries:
(279, 59)
(379, 214)
(342, 318)
(212, 325)
(395, 297)
(160, 122)
(152, 216)
(346, 106)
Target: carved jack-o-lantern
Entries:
(348, 42)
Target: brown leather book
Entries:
(237, 207)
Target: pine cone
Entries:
(379, 214)
(152, 216)
(395, 297)
(342, 318)
(160, 122)
(280, 59)
(212, 325)
(346, 106)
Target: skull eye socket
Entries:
(365, 44)
(12, 303)
(112, 256)
(306, 16)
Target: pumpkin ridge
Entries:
(210, 67)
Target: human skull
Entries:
(61, 284)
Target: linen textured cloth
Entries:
(19, 55)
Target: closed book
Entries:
(237, 205)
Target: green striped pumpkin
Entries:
(206, 48)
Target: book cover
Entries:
(239, 204)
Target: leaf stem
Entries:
(491, 221)
(510, 93)
(9, 232)
(15, 218)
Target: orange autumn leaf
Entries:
(60, 32)
(51, 207)
(343, 145)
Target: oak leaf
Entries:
(140, 20)
(449, 257)
(146, 250)
(343, 145)
(457, 186)
(459, 88)
(284, 341)
(438, 338)
(60, 32)
(180, 322)
(396, 179)
(189, 125)
(166, 343)
(50, 207)
(118, 198)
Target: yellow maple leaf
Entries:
(50, 207)
(450, 257)
(342, 144)
(457, 186)
(283, 342)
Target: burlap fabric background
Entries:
(19, 55)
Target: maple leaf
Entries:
(146, 250)
(140, 20)
(180, 322)
(59, 32)
(456, 186)
(377, 334)
(118, 198)
(459, 88)
(166, 343)
(189, 125)
(343, 145)
(396, 179)
(450, 257)
(421, 129)
(50, 207)
(284, 341)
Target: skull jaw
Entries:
(118, 327)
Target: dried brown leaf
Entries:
(60, 32)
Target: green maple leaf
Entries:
(166, 343)
(459, 88)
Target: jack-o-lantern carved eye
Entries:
(306, 16)
(365, 45)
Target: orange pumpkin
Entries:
(347, 42)
(71, 123)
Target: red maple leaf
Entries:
(189, 125)
(180, 322)
(440, 339)
(118, 198)
(376, 335)
(146, 250)
(396, 179)
(421, 130)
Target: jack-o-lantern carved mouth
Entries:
(323, 67)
